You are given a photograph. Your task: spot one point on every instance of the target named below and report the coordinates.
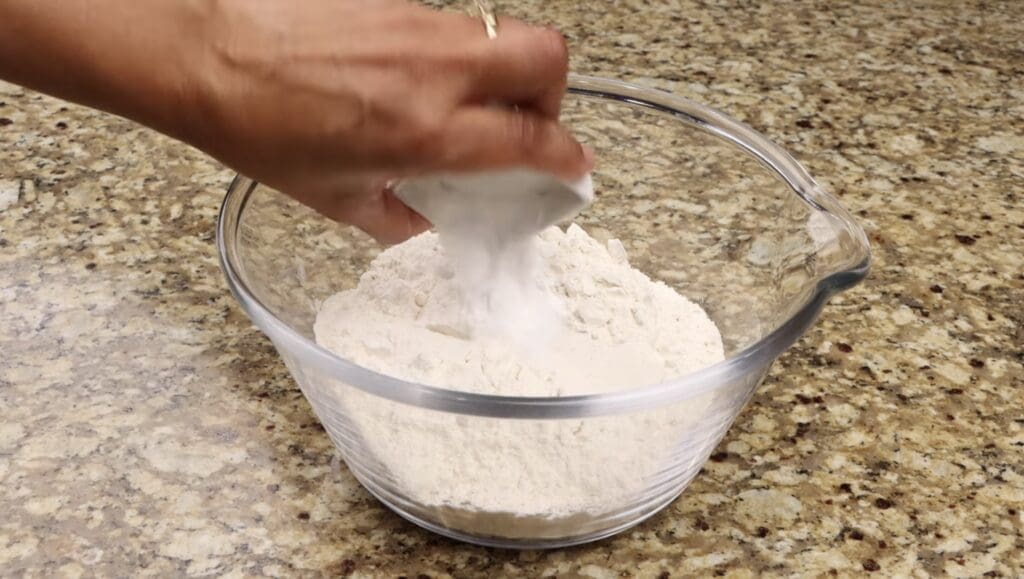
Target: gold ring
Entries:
(485, 11)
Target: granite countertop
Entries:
(146, 425)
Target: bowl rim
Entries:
(751, 362)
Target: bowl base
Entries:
(514, 543)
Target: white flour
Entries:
(488, 223)
(617, 329)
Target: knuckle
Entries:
(465, 64)
(526, 131)
(424, 136)
(553, 49)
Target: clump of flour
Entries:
(616, 329)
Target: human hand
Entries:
(322, 99)
(326, 100)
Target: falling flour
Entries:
(614, 329)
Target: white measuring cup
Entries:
(495, 205)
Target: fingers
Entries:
(479, 138)
(525, 65)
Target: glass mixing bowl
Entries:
(700, 201)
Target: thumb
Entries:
(479, 138)
(384, 217)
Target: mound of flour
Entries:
(614, 328)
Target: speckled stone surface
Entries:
(147, 427)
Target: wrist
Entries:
(183, 80)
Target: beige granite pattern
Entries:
(147, 428)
